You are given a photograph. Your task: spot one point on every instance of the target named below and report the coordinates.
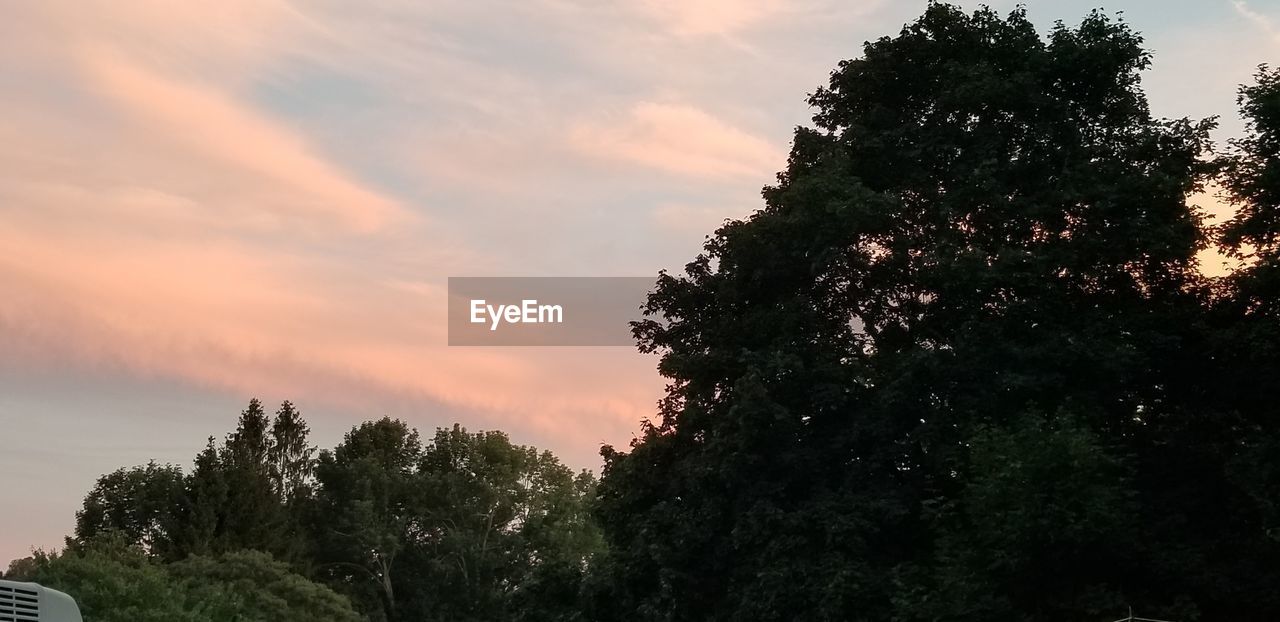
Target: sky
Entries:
(206, 202)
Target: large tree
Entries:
(955, 368)
(252, 515)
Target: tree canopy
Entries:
(963, 365)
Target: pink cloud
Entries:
(229, 41)
(246, 319)
(711, 17)
(212, 125)
(160, 225)
(678, 139)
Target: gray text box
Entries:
(545, 311)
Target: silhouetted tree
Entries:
(963, 365)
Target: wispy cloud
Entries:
(711, 17)
(679, 139)
(209, 125)
(159, 223)
(1260, 20)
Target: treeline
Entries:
(385, 526)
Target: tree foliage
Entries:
(251, 585)
(963, 364)
(466, 527)
(365, 509)
(238, 495)
(113, 580)
(138, 504)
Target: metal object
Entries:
(29, 602)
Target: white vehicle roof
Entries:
(29, 602)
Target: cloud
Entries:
(210, 125)
(711, 17)
(232, 41)
(158, 222)
(678, 139)
(166, 216)
(1260, 20)
(246, 319)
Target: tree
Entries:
(250, 585)
(982, 251)
(365, 509)
(252, 515)
(200, 525)
(504, 534)
(1251, 181)
(469, 527)
(139, 505)
(242, 494)
(1032, 530)
(1246, 328)
(112, 581)
(1252, 175)
(292, 464)
(290, 455)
